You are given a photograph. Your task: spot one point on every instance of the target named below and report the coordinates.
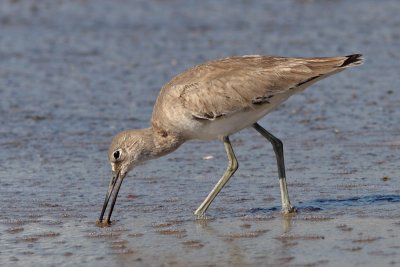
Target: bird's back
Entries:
(224, 96)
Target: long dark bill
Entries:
(113, 189)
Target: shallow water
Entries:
(74, 73)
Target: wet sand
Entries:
(74, 73)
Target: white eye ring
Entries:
(117, 154)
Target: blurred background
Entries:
(74, 73)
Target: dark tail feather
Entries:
(352, 60)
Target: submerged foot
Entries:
(200, 216)
(289, 209)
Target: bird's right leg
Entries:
(230, 170)
(278, 149)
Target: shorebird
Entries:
(212, 101)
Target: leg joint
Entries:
(233, 165)
(277, 143)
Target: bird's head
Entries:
(127, 150)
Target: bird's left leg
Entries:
(278, 149)
(230, 170)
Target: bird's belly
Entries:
(225, 126)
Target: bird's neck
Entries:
(162, 142)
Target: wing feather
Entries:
(222, 87)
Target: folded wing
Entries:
(222, 87)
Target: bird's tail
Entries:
(326, 66)
(351, 60)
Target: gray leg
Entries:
(278, 148)
(230, 170)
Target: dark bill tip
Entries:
(112, 193)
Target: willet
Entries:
(213, 101)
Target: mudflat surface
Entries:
(74, 73)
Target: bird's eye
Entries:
(117, 154)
